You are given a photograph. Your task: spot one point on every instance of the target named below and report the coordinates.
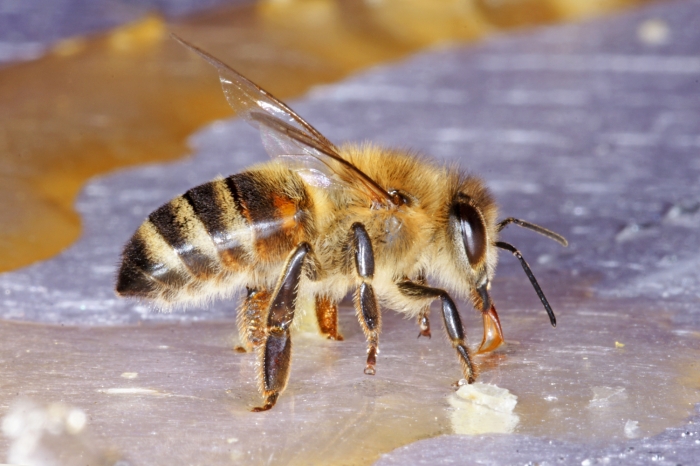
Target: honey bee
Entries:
(393, 226)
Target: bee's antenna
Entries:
(531, 226)
(533, 280)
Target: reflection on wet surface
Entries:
(598, 377)
(132, 96)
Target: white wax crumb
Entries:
(631, 429)
(483, 408)
(491, 396)
(130, 375)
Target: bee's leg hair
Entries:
(276, 350)
(423, 320)
(250, 318)
(327, 316)
(365, 302)
(453, 323)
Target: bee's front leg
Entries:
(453, 323)
(365, 302)
(276, 351)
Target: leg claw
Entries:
(269, 403)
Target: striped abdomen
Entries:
(198, 242)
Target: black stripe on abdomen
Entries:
(140, 275)
(264, 205)
(220, 223)
(203, 202)
(172, 227)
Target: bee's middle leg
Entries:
(276, 350)
(365, 302)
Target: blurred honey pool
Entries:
(132, 96)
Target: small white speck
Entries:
(163, 347)
(76, 421)
(631, 429)
(130, 375)
(653, 32)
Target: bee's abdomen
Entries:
(215, 230)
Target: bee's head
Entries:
(473, 232)
(472, 242)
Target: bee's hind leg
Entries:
(327, 316)
(365, 302)
(276, 350)
(453, 323)
(250, 319)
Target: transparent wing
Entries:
(287, 136)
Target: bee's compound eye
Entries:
(473, 232)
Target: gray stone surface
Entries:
(592, 129)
